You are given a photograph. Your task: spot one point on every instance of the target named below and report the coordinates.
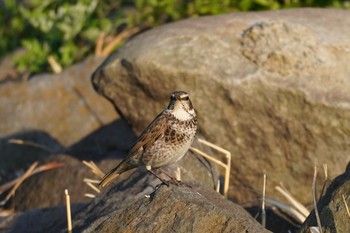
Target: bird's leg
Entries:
(149, 169)
(167, 174)
(173, 179)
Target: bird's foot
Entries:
(178, 183)
(172, 182)
(161, 184)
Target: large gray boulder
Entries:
(271, 87)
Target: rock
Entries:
(176, 208)
(16, 157)
(275, 221)
(332, 210)
(64, 105)
(46, 189)
(38, 220)
(271, 87)
(49, 113)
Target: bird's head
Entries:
(180, 106)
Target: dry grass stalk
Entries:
(69, 214)
(98, 172)
(325, 170)
(104, 51)
(314, 199)
(294, 213)
(55, 66)
(226, 166)
(87, 181)
(297, 205)
(178, 173)
(218, 187)
(94, 169)
(314, 230)
(89, 195)
(45, 167)
(27, 143)
(99, 44)
(346, 206)
(91, 181)
(263, 215)
(19, 182)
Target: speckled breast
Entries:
(176, 141)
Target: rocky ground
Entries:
(270, 87)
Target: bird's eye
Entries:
(186, 98)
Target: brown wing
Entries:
(155, 130)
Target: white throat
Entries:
(182, 115)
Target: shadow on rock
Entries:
(101, 143)
(19, 150)
(40, 220)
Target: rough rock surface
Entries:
(63, 105)
(271, 87)
(332, 210)
(168, 209)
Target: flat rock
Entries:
(271, 87)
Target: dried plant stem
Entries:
(55, 66)
(19, 182)
(263, 214)
(92, 186)
(96, 170)
(89, 195)
(346, 206)
(302, 209)
(91, 181)
(69, 215)
(42, 168)
(325, 170)
(218, 186)
(288, 209)
(178, 173)
(99, 44)
(28, 143)
(314, 198)
(117, 39)
(226, 166)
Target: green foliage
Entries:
(68, 29)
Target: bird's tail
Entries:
(108, 178)
(124, 166)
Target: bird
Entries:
(163, 142)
